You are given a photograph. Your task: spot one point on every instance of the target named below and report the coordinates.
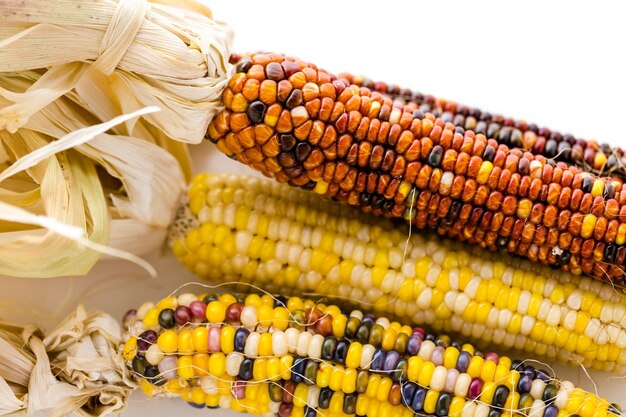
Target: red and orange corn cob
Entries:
(601, 159)
(301, 125)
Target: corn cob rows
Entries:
(600, 159)
(287, 240)
(308, 353)
(301, 125)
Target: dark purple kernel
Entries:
(550, 411)
(587, 184)
(489, 153)
(295, 99)
(256, 111)
(166, 318)
(378, 360)
(408, 390)
(463, 361)
(287, 142)
(524, 384)
(434, 158)
(303, 150)
(145, 340)
(391, 361)
(244, 65)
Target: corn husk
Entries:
(87, 163)
(77, 368)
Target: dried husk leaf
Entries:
(67, 65)
(77, 368)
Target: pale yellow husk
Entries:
(98, 99)
(77, 368)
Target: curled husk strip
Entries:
(68, 69)
(76, 368)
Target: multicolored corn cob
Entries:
(601, 159)
(294, 356)
(260, 232)
(302, 125)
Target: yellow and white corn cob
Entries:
(287, 240)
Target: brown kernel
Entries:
(274, 71)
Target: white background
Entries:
(559, 64)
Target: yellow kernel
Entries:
(185, 342)
(227, 339)
(321, 187)
(168, 341)
(201, 364)
(151, 319)
(147, 388)
(589, 223)
(483, 172)
(597, 188)
(216, 312)
(217, 364)
(185, 367)
(130, 349)
(193, 240)
(430, 402)
(523, 208)
(422, 266)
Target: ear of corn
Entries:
(293, 357)
(301, 125)
(601, 159)
(238, 228)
